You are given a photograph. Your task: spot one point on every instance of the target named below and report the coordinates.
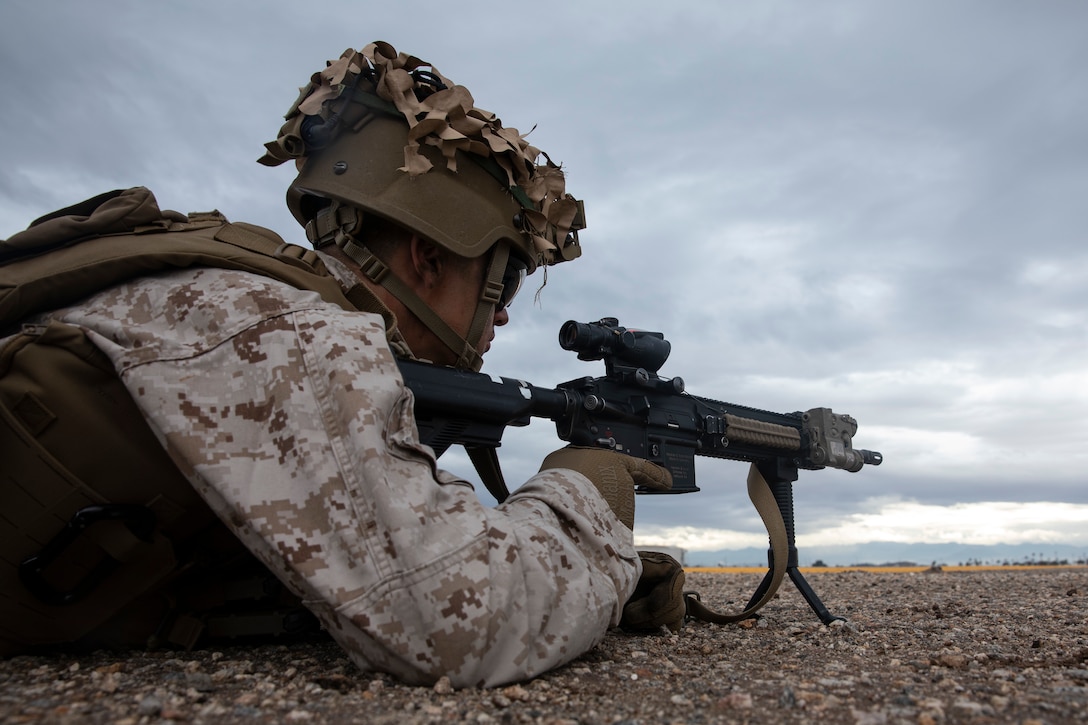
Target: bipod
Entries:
(780, 475)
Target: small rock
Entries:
(952, 661)
(335, 681)
(517, 693)
(736, 701)
(869, 718)
(443, 686)
(968, 708)
(200, 681)
(149, 706)
(247, 699)
(109, 684)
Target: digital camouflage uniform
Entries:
(290, 418)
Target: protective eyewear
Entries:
(512, 279)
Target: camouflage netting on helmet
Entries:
(440, 114)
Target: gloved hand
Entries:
(614, 474)
(659, 595)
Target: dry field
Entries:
(956, 646)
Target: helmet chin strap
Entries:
(375, 270)
(490, 292)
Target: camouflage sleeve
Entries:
(292, 420)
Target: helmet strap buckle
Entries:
(332, 224)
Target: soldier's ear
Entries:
(428, 260)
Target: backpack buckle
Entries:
(139, 520)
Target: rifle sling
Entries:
(759, 491)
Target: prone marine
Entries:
(204, 427)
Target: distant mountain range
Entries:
(894, 553)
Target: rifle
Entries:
(633, 410)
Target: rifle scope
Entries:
(606, 340)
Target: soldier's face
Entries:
(455, 298)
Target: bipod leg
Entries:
(780, 475)
(810, 596)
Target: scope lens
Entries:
(568, 335)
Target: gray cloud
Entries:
(874, 207)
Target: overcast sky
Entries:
(871, 206)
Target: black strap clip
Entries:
(139, 520)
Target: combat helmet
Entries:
(377, 133)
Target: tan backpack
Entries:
(93, 513)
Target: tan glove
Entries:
(659, 595)
(614, 474)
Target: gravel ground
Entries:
(1005, 646)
